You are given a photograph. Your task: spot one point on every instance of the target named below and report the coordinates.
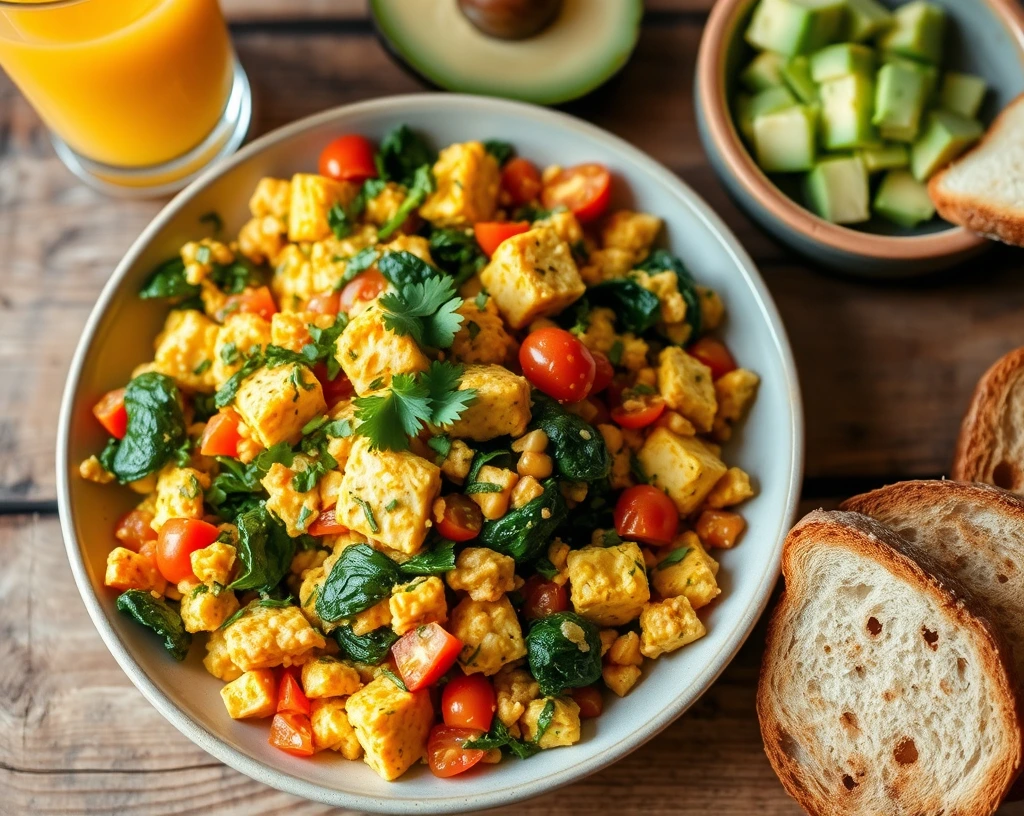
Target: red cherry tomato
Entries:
(462, 519)
(542, 598)
(290, 696)
(221, 436)
(590, 701)
(714, 355)
(363, 287)
(423, 655)
(644, 513)
(521, 180)
(490, 234)
(327, 524)
(256, 301)
(468, 701)
(604, 372)
(348, 158)
(639, 411)
(584, 189)
(134, 529)
(445, 753)
(111, 413)
(179, 538)
(325, 303)
(292, 732)
(558, 363)
(336, 390)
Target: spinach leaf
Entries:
(232, 278)
(168, 281)
(371, 648)
(481, 458)
(422, 185)
(660, 261)
(360, 578)
(158, 615)
(264, 548)
(577, 447)
(564, 652)
(636, 309)
(236, 489)
(402, 152)
(156, 428)
(593, 513)
(499, 737)
(525, 532)
(457, 253)
(438, 560)
(402, 268)
(502, 151)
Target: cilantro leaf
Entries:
(402, 152)
(388, 420)
(447, 402)
(168, 281)
(422, 186)
(502, 151)
(424, 311)
(457, 253)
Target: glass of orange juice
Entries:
(139, 95)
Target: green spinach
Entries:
(457, 253)
(438, 560)
(158, 615)
(502, 151)
(156, 428)
(402, 268)
(402, 152)
(360, 578)
(636, 309)
(564, 652)
(168, 281)
(371, 648)
(525, 532)
(264, 548)
(661, 261)
(578, 448)
(499, 737)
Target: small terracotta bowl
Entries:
(985, 37)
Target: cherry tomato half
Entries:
(325, 303)
(462, 519)
(521, 180)
(468, 701)
(604, 372)
(639, 411)
(134, 529)
(363, 287)
(290, 696)
(590, 701)
(542, 598)
(256, 301)
(327, 524)
(445, 753)
(557, 362)
(584, 189)
(644, 513)
(348, 158)
(336, 390)
(221, 436)
(112, 414)
(292, 732)
(179, 538)
(714, 355)
(490, 234)
(423, 655)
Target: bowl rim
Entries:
(280, 778)
(712, 96)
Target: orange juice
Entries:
(128, 83)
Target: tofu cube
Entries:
(532, 275)
(217, 660)
(620, 679)
(185, 350)
(295, 509)
(392, 725)
(482, 337)
(328, 677)
(179, 494)
(204, 611)
(277, 402)
(416, 603)
(633, 232)
(370, 354)
(485, 574)
(687, 386)
(515, 689)
(494, 505)
(312, 197)
(377, 480)
(265, 637)
(608, 584)
(563, 729)
(331, 729)
(501, 407)
(254, 694)
(692, 577)
(127, 569)
(733, 488)
(625, 650)
(490, 634)
(294, 280)
(240, 335)
(271, 197)
(467, 178)
(290, 330)
(683, 466)
(212, 564)
(668, 625)
(735, 392)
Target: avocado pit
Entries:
(510, 19)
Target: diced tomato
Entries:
(179, 538)
(719, 528)
(336, 390)
(325, 303)
(542, 598)
(644, 513)
(468, 701)
(714, 355)
(221, 436)
(111, 413)
(425, 654)
(290, 696)
(590, 701)
(557, 362)
(256, 301)
(639, 411)
(292, 732)
(462, 519)
(584, 189)
(134, 529)
(520, 178)
(327, 524)
(445, 753)
(348, 158)
(363, 287)
(604, 372)
(490, 234)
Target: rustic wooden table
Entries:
(886, 372)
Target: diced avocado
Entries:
(797, 75)
(785, 140)
(837, 190)
(962, 93)
(764, 71)
(865, 19)
(770, 101)
(903, 200)
(886, 157)
(842, 59)
(918, 32)
(847, 104)
(929, 72)
(945, 137)
(900, 95)
(793, 27)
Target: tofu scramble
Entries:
(430, 422)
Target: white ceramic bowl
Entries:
(119, 335)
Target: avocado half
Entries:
(588, 42)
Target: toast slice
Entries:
(881, 691)
(990, 448)
(984, 189)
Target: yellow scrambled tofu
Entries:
(392, 725)
(490, 634)
(312, 198)
(185, 350)
(370, 354)
(685, 467)
(277, 402)
(332, 730)
(467, 181)
(265, 637)
(501, 406)
(608, 584)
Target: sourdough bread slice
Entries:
(984, 189)
(881, 691)
(990, 447)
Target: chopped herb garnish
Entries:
(482, 487)
(203, 367)
(441, 445)
(391, 506)
(474, 329)
(481, 299)
(673, 557)
(213, 220)
(368, 512)
(394, 678)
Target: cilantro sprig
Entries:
(425, 311)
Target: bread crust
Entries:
(973, 212)
(977, 443)
(867, 538)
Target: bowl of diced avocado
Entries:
(827, 118)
